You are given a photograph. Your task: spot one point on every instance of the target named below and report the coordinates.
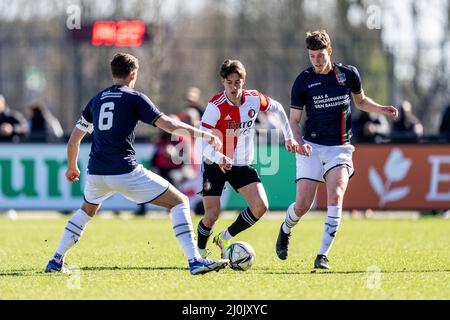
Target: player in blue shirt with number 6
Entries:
(111, 117)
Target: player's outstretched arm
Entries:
(290, 143)
(366, 104)
(295, 116)
(73, 147)
(183, 129)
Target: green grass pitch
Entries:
(141, 259)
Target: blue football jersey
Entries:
(327, 100)
(112, 116)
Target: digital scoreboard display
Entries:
(125, 33)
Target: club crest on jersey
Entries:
(341, 79)
(251, 113)
(339, 76)
(207, 185)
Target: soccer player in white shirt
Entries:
(231, 115)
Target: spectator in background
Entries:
(193, 100)
(444, 129)
(266, 127)
(166, 151)
(43, 124)
(13, 125)
(408, 125)
(370, 127)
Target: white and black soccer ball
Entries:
(241, 255)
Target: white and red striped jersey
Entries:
(235, 126)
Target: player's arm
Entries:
(215, 156)
(366, 104)
(298, 101)
(209, 121)
(150, 114)
(82, 127)
(73, 147)
(295, 117)
(180, 128)
(277, 108)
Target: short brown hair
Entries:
(123, 64)
(318, 40)
(232, 66)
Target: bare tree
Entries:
(429, 88)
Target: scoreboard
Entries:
(125, 33)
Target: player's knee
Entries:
(177, 199)
(90, 209)
(336, 198)
(183, 199)
(210, 219)
(259, 209)
(211, 215)
(301, 209)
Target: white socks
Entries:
(291, 219)
(181, 221)
(331, 226)
(226, 235)
(184, 231)
(72, 233)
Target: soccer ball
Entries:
(241, 255)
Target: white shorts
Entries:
(323, 159)
(140, 185)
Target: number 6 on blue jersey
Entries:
(106, 113)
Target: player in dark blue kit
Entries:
(111, 117)
(325, 92)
